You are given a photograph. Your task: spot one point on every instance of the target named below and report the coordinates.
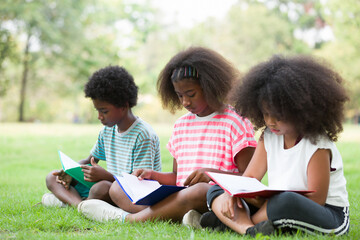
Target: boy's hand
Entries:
(143, 173)
(197, 176)
(93, 173)
(63, 178)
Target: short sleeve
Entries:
(98, 150)
(242, 135)
(147, 153)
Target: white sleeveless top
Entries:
(287, 168)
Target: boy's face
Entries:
(108, 114)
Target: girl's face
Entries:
(192, 97)
(108, 114)
(279, 127)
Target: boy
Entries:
(126, 142)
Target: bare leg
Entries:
(241, 220)
(70, 196)
(120, 199)
(100, 190)
(176, 205)
(260, 215)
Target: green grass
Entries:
(29, 151)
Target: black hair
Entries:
(112, 84)
(208, 68)
(299, 90)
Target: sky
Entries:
(187, 12)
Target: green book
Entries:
(73, 169)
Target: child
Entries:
(126, 142)
(300, 103)
(211, 137)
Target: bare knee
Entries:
(118, 196)
(194, 197)
(100, 190)
(50, 180)
(199, 190)
(115, 191)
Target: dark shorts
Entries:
(213, 193)
(82, 190)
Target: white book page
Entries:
(67, 161)
(138, 188)
(125, 187)
(236, 184)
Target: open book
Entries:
(246, 187)
(73, 169)
(144, 192)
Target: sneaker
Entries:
(266, 228)
(192, 219)
(101, 211)
(50, 200)
(211, 221)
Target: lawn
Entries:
(29, 151)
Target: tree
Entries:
(344, 50)
(248, 34)
(71, 38)
(42, 24)
(340, 46)
(7, 47)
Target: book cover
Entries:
(246, 187)
(73, 169)
(144, 192)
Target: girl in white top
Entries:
(299, 103)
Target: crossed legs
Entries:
(171, 208)
(72, 197)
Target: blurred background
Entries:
(49, 48)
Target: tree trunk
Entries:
(24, 79)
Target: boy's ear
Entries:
(126, 107)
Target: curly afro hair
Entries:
(112, 84)
(213, 72)
(299, 90)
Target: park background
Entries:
(49, 48)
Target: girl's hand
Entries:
(197, 176)
(93, 173)
(257, 201)
(63, 178)
(143, 173)
(227, 206)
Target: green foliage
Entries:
(343, 17)
(72, 39)
(344, 51)
(257, 38)
(67, 41)
(6, 52)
